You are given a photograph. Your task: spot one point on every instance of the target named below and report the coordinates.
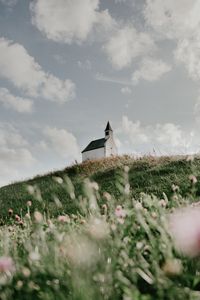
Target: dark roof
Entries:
(108, 127)
(95, 145)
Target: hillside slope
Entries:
(148, 174)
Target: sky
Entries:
(69, 66)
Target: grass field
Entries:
(103, 230)
(149, 175)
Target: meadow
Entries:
(117, 228)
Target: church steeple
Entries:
(108, 130)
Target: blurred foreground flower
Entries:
(6, 264)
(184, 227)
(98, 228)
(80, 251)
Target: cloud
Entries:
(127, 44)
(188, 53)
(179, 21)
(17, 66)
(21, 105)
(173, 19)
(15, 156)
(63, 142)
(69, 21)
(165, 139)
(126, 90)
(150, 70)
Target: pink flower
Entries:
(64, 219)
(185, 230)
(17, 218)
(120, 213)
(6, 264)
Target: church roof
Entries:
(108, 127)
(95, 144)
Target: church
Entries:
(101, 148)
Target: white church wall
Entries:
(111, 148)
(93, 154)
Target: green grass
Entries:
(149, 175)
(94, 253)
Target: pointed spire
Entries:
(108, 127)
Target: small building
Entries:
(100, 148)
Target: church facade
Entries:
(100, 148)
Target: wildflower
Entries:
(98, 228)
(120, 212)
(126, 169)
(113, 227)
(29, 203)
(138, 206)
(82, 221)
(193, 179)
(154, 215)
(27, 216)
(175, 188)
(21, 223)
(81, 251)
(58, 180)
(94, 185)
(127, 189)
(172, 267)
(34, 256)
(38, 217)
(105, 208)
(26, 272)
(17, 218)
(6, 264)
(190, 158)
(184, 226)
(107, 196)
(162, 203)
(19, 284)
(64, 219)
(120, 220)
(139, 245)
(10, 211)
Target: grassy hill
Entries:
(149, 175)
(119, 243)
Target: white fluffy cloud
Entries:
(19, 104)
(17, 66)
(67, 21)
(173, 19)
(165, 139)
(15, 156)
(188, 53)
(150, 70)
(180, 21)
(63, 142)
(126, 44)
